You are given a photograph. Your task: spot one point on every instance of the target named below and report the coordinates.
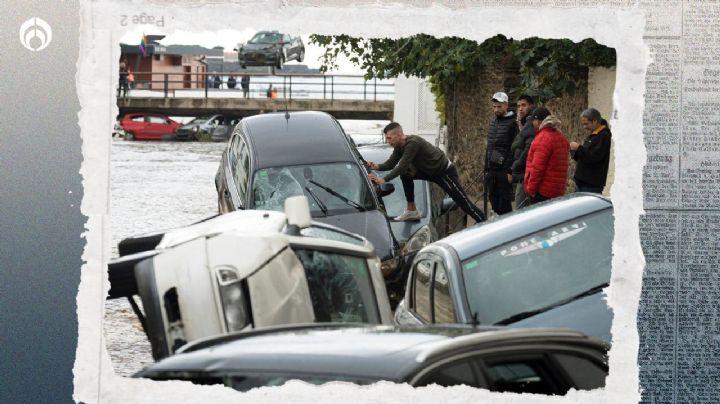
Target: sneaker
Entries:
(408, 215)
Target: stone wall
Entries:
(469, 112)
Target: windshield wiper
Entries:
(337, 195)
(319, 203)
(530, 313)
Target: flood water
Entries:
(156, 186)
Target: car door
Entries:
(431, 297)
(156, 127)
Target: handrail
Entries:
(289, 86)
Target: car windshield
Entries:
(271, 186)
(340, 287)
(541, 269)
(395, 203)
(266, 37)
(200, 119)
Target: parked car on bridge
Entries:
(431, 201)
(245, 270)
(271, 157)
(542, 266)
(270, 48)
(148, 126)
(542, 361)
(218, 127)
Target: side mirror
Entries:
(297, 210)
(447, 204)
(385, 189)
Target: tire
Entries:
(301, 56)
(129, 136)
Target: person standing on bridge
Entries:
(415, 158)
(245, 84)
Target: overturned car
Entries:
(245, 270)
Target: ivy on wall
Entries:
(547, 68)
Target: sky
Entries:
(229, 39)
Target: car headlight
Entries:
(420, 239)
(196, 128)
(389, 266)
(232, 298)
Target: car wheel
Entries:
(301, 56)
(129, 136)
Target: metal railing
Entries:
(286, 86)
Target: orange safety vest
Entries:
(274, 93)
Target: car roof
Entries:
(305, 137)
(365, 351)
(508, 227)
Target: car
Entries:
(218, 127)
(270, 48)
(542, 266)
(431, 201)
(148, 126)
(276, 155)
(544, 361)
(244, 270)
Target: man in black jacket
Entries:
(498, 157)
(415, 158)
(521, 146)
(593, 156)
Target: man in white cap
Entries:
(498, 157)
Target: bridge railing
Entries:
(286, 86)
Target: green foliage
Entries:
(547, 68)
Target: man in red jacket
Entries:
(547, 162)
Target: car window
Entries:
(442, 302)
(242, 169)
(528, 375)
(156, 119)
(138, 118)
(234, 153)
(584, 373)
(340, 287)
(286, 38)
(265, 37)
(271, 186)
(330, 234)
(454, 374)
(395, 203)
(421, 289)
(541, 269)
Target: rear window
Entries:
(541, 269)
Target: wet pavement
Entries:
(156, 186)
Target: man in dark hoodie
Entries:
(521, 146)
(498, 157)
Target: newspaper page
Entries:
(677, 319)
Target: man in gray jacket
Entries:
(415, 158)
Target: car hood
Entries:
(259, 46)
(404, 230)
(590, 315)
(372, 225)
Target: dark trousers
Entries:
(585, 187)
(500, 191)
(449, 181)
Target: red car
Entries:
(148, 126)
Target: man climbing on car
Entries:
(415, 158)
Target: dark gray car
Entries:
(218, 126)
(273, 156)
(270, 48)
(544, 361)
(543, 266)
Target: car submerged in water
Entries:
(247, 270)
(542, 266)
